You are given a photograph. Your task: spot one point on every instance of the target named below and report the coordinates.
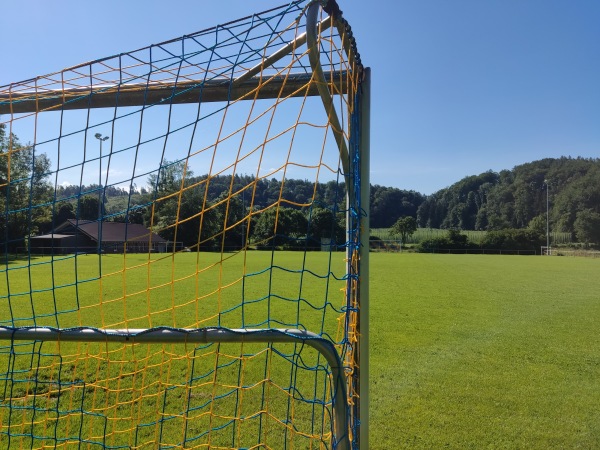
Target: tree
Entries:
(405, 227)
(87, 208)
(513, 239)
(64, 212)
(538, 225)
(279, 227)
(179, 211)
(231, 216)
(587, 226)
(24, 191)
(453, 241)
(389, 204)
(513, 198)
(169, 177)
(323, 223)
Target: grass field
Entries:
(474, 236)
(164, 395)
(467, 351)
(484, 352)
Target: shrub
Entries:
(513, 239)
(454, 240)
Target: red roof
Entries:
(111, 231)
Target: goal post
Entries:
(171, 201)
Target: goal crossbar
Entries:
(245, 87)
(140, 94)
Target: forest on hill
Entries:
(567, 188)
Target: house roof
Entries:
(52, 236)
(111, 231)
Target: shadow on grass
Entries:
(11, 259)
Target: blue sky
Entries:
(459, 87)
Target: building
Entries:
(83, 236)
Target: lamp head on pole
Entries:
(100, 138)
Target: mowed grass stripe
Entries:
(475, 351)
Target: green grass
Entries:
(484, 352)
(467, 351)
(123, 385)
(474, 236)
(289, 289)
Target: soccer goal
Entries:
(184, 235)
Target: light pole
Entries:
(547, 217)
(101, 139)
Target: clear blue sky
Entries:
(459, 87)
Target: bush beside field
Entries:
(474, 236)
(508, 241)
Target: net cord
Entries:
(162, 335)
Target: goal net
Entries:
(182, 232)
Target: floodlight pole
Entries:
(547, 217)
(101, 139)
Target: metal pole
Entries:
(279, 54)
(165, 335)
(100, 191)
(312, 42)
(167, 93)
(365, 145)
(547, 218)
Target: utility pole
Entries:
(100, 191)
(547, 217)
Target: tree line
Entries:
(567, 188)
(31, 205)
(236, 209)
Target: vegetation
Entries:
(587, 226)
(390, 204)
(509, 341)
(476, 237)
(405, 227)
(484, 352)
(453, 240)
(23, 182)
(386, 234)
(510, 239)
(516, 198)
(31, 206)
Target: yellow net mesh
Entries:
(191, 184)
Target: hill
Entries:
(517, 198)
(568, 188)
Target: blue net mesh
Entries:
(192, 184)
